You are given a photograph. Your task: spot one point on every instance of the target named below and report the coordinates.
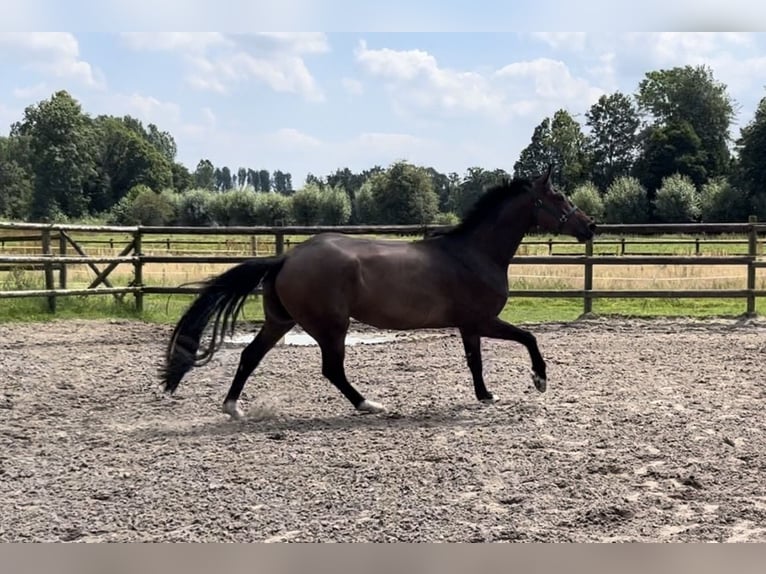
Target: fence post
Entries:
(138, 268)
(62, 252)
(48, 267)
(752, 251)
(588, 276)
(279, 242)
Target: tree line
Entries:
(663, 153)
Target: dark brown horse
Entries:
(455, 279)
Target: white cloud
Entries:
(32, 92)
(352, 86)
(388, 143)
(217, 62)
(209, 116)
(551, 79)
(146, 108)
(188, 42)
(8, 116)
(55, 54)
(669, 47)
(291, 138)
(415, 79)
(571, 40)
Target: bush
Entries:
(142, 206)
(273, 209)
(722, 202)
(365, 210)
(446, 218)
(626, 201)
(335, 207)
(195, 208)
(236, 207)
(307, 205)
(676, 200)
(588, 199)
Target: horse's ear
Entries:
(547, 176)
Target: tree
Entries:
(442, 186)
(241, 177)
(264, 181)
(404, 195)
(252, 179)
(163, 142)
(346, 180)
(222, 178)
(677, 200)
(569, 147)
(204, 175)
(473, 185)
(125, 159)
(691, 95)
(558, 141)
(364, 209)
(235, 207)
(669, 149)
(587, 197)
(335, 207)
(751, 167)
(625, 201)
(182, 177)
(273, 209)
(720, 201)
(62, 155)
(307, 204)
(195, 207)
(279, 182)
(614, 124)
(535, 158)
(142, 206)
(16, 183)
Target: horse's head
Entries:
(555, 213)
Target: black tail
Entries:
(222, 297)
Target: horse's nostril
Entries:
(592, 227)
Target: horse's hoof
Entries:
(489, 400)
(541, 383)
(231, 409)
(370, 407)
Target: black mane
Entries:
(490, 201)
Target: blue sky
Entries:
(314, 102)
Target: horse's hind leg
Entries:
(271, 332)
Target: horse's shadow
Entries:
(277, 427)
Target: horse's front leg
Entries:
(472, 347)
(499, 329)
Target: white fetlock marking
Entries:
(371, 407)
(540, 382)
(231, 409)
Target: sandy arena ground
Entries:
(649, 431)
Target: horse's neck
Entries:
(500, 239)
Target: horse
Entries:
(453, 279)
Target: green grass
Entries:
(167, 309)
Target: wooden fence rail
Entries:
(55, 240)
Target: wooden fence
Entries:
(64, 245)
